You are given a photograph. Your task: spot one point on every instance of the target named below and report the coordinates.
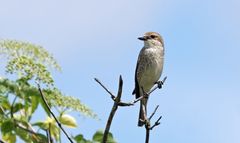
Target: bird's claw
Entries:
(159, 84)
(147, 123)
(146, 95)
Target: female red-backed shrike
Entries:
(149, 69)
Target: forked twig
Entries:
(118, 102)
(114, 108)
(148, 126)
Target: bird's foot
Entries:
(145, 95)
(159, 84)
(147, 123)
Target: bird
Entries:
(148, 69)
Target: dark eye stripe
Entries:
(153, 36)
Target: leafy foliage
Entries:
(19, 99)
(29, 61)
(97, 138)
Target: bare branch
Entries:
(114, 109)
(118, 102)
(55, 118)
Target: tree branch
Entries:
(55, 118)
(114, 108)
(118, 102)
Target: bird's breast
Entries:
(151, 68)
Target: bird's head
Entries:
(152, 39)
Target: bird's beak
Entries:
(142, 38)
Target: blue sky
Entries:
(200, 101)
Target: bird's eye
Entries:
(153, 36)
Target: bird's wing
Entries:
(136, 89)
(138, 71)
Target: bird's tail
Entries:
(142, 117)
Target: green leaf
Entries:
(68, 120)
(28, 137)
(24, 135)
(3, 89)
(55, 131)
(35, 102)
(45, 108)
(9, 138)
(80, 139)
(40, 125)
(51, 125)
(7, 126)
(17, 107)
(5, 103)
(98, 136)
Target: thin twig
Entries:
(59, 124)
(156, 123)
(153, 112)
(109, 92)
